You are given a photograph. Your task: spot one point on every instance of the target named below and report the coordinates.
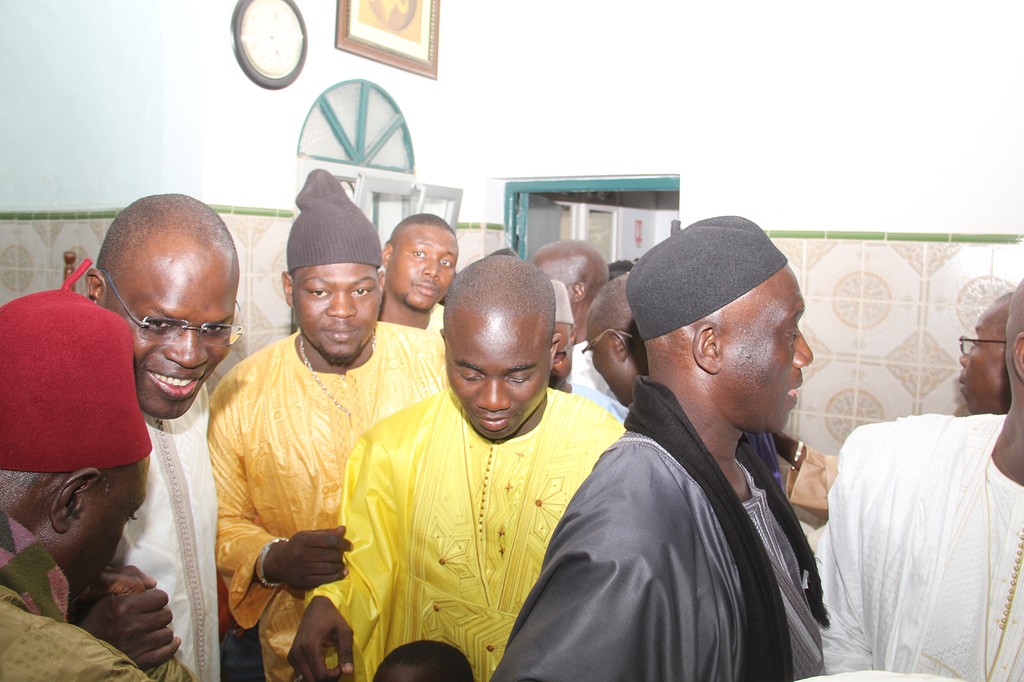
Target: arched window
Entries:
(356, 131)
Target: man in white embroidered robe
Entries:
(168, 266)
(922, 555)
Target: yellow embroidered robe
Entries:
(279, 447)
(449, 529)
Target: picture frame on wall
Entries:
(400, 33)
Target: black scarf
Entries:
(656, 413)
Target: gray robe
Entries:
(638, 582)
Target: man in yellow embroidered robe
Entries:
(449, 504)
(283, 422)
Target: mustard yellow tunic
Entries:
(279, 446)
(449, 529)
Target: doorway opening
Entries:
(622, 217)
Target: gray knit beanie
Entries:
(330, 228)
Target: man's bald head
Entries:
(499, 322)
(610, 309)
(580, 267)
(169, 257)
(163, 215)
(506, 287)
(618, 357)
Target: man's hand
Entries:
(309, 559)
(321, 629)
(123, 580)
(123, 608)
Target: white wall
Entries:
(800, 115)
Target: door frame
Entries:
(517, 196)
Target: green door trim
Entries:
(517, 197)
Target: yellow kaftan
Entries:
(449, 530)
(436, 323)
(279, 447)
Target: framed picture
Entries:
(400, 33)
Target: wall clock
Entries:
(270, 41)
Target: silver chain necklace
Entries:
(309, 366)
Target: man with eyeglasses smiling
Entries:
(169, 267)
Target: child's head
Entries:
(424, 661)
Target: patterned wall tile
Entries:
(976, 294)
(937, 255)
(945, 324)
(912, 253)
(892, 269)
(1008, 263)
(269, 252)
(882, 336)
(242, 231)
(849, 408)
(968, 262)
(267, 299)
(903, 362)
(815, 250)
(877, 386)
(946, 397)
(794, 251)
(826, 324)
(829, 272)
(822, 381)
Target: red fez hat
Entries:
(67, 397)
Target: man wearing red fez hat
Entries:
(67, 485)
(168, 267)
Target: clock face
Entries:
(270, 41)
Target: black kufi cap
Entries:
(330, 228)
(697, 271)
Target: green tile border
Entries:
(985, 238)
(59, 215)
(253, 210)
(911, 237)
(931, 237)
(795, 234)
(223, 209)
(855, 235)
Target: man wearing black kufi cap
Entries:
(680, 558)
(283, 421)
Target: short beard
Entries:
(342, 361)
(422, 311)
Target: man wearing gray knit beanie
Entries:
(282, 422)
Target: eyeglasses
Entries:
(623, 336)
(159, 329)
(965, 349)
